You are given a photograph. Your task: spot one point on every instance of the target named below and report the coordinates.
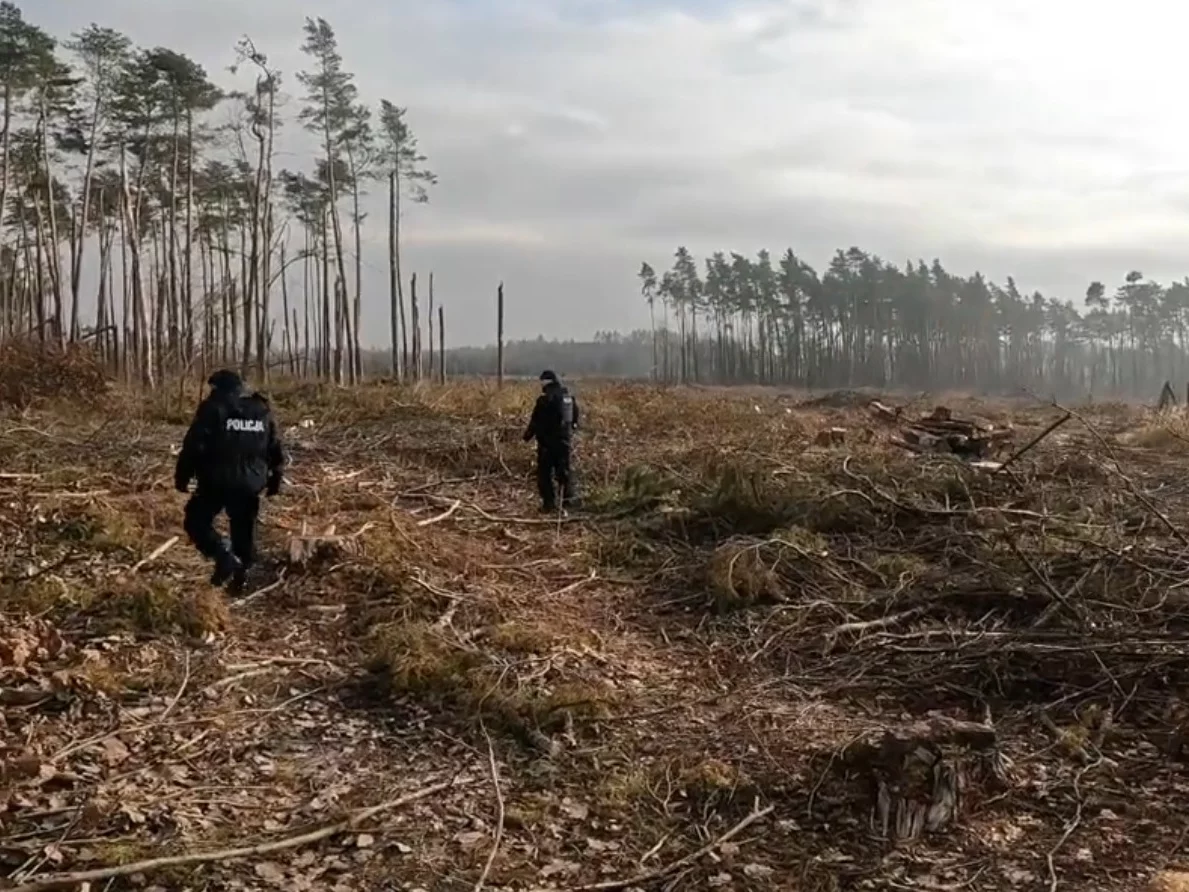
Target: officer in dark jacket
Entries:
(234, 451)
(554, 418)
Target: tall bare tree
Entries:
(402, 163)
(330, 112)
(101, 53)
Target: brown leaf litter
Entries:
(749, 663)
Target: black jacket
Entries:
(555, 416)
(232, 444)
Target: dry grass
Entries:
(32, 374)
(735, 619)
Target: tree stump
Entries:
(919, 775)
(325, 546)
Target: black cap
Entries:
(225, 380)
(548, 375)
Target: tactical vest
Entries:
(244, 436)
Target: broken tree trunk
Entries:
(499, 335)
(1167, 397)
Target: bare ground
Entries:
(893, 670)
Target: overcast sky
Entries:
(576, 138)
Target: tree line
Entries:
(866, 322)
(137, 154)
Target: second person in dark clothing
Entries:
(234, 451)
(555, 417)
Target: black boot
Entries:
(227, 565)
(239, 582)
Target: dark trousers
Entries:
(553, 462)
(242, 510)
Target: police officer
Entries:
(234, 450)
(554, 418)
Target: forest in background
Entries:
(132, 162)
(866, 322)
(136, 154)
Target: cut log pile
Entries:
(941, 432)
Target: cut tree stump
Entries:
(830, 436)
(326, 545)
(919, 774)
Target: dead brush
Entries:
(737, 576)
(386, 400)
(743, 572)
(32, 372)
(711, 783)
(95, 525)
(741, 499)
(701, 784)
(157, 606)
(426, 661)
(639, 488)
(1164, 432)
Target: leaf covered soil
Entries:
(918, 671)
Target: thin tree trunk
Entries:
(305, 296)
(101, 310)
(144, 346)
(5, 151)
(416, 338)
(357, 303)
(404, 331)
(117, 342)
(125, 292)
(286, 342)
(80, 234)
(39, 269)
(172, 248)
(431, 365)
(326, 293)
(499, 335)
(53, 260)
(396, 307)
(188, 256)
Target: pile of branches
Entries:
(32, 372)
(925, 575)
(941, 432)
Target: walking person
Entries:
(234, 451)
(555, 417)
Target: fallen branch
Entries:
(440, 517)
(1134, 490)
(661, 872)
(181, 690)
(573, 586)
(881, 623)
(1035, 441)
(156, 553)
(64, 880)
(499, 826)
(260, 592)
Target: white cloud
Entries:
(575, 139)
